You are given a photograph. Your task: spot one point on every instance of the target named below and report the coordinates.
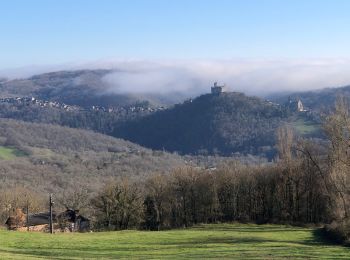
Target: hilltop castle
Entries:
(216, 89)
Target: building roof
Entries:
(43, 218)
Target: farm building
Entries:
(67, 221)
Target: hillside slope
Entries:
(215, 124)
(54, 158)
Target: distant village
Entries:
(31, 101)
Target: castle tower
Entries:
(216, 89)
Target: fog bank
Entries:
(251, 76)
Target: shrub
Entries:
(339, 231)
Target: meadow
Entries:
(305, 126)
(238, 241)
(8, 153)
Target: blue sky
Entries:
(254, 46)
(57, 31)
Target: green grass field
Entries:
(304, 126)
(8, 153)
(238, 241)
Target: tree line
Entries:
(234, 192)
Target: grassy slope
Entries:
(305, 126)
(8, 153)
(220, 241)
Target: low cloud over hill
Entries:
(192, 77)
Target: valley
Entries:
(228, 124)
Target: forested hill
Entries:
(215, 124)
(53, 158)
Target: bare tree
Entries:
(337, 128)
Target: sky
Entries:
(53, 34)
